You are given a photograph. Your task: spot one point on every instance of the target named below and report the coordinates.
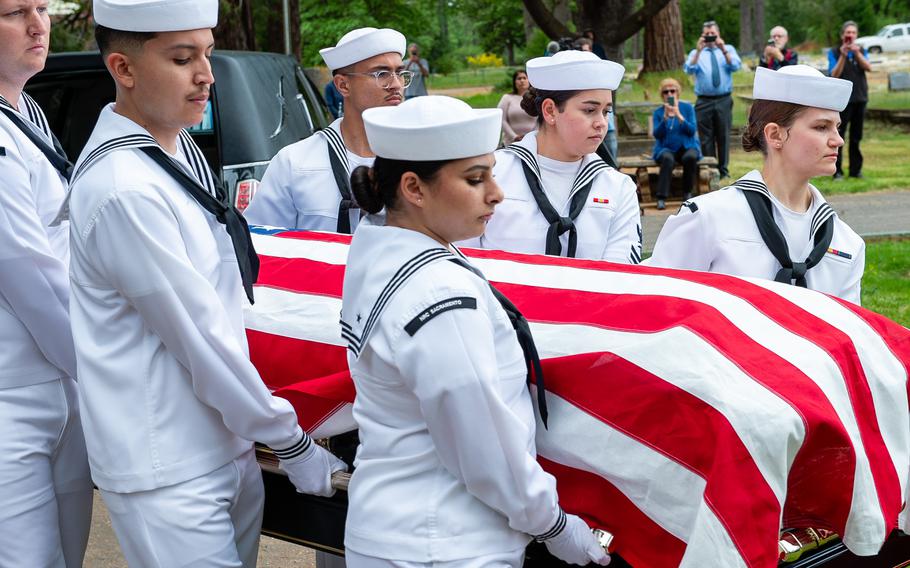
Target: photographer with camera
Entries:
(850, 61)
(675, 141)
(713, 63)
(419, 69)
(777, 54)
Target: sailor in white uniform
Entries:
(446, 471)
(560, 197)
(45, 486)
(308, 184)
(774, 223)
(160, 264)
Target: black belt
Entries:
(713, 96)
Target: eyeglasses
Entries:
(668, 91)
(384, 78)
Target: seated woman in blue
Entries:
(675, 141)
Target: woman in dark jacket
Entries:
(675, 141)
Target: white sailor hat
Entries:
(155, 15)
(362, 43)
(431, 128)
(573, 70)
(801, 85)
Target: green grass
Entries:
(897, 100)
(885, 166)
(886, 281)
(487, 100)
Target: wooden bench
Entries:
(645, 171)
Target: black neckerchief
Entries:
(37, 122)
(523, 331)
(338, 157)
(759, 199)
(581, 187)
(200, 184)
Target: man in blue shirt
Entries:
(713, 63)
(850, 61)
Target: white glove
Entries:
(310, 467)
(574, 542)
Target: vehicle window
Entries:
(72, 105)
(897, 32)
(882, 32)
(313, 101)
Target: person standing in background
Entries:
(849, 61)
(515, 121)
(419, 69)
(713, 63)
(45, 485)
(777, 54)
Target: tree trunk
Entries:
(510, 51)
(613, 21)
(760, 35)
(636, 46)
(529, 24)
(746, 41)
(664, 40)
(275, 27)
(235, 26)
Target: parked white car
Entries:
(895, 37)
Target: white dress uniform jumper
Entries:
(745, 231)
(45, 487)
(308, 185)
(718, 232)
(170, 396)
(436, 361)
(597, 218)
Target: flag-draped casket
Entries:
(691, 414)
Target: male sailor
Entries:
(45, 487)
(308, 184)
(159, 270)
(560, 197)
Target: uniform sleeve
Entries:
(273, 203)
(684, 242)
(142, 253)
(34, 283)
(624, 239)
(450, 364)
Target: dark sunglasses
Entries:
(667, 91)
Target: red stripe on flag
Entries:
(690, 432)
(316, 400)
(283, 361)
(639, 540)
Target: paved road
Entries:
(869, 214)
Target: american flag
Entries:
(691, 414)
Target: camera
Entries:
(771, 42)
(671, 100)
(710, 38)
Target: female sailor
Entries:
(560, 197)
(773, 223)
(446, 473)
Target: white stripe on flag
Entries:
(319, 251)
(579, 440)
(298, 316)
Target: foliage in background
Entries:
(499, 24)
(485, 60)
(886, 280)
